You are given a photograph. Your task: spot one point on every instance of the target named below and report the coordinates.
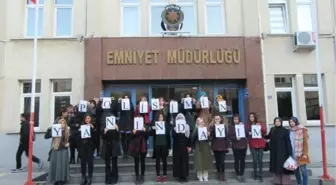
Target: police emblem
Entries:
(172, 18)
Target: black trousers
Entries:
(161, 155)
(23, 148)
(73, 147)
(96, 139)
(86, 152)
(220, 158)
(139, 159)
(111, 172)
(125, 140)
(239, 161)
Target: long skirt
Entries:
(59, 166)
(282, 179)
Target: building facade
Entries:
(116, 47)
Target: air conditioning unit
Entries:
(304, 40)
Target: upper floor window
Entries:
(156, 8)
(131, 18)
(30, 18)
(304, 15)
(190, 18)
(214, 12)
(278, 16)
(63, 18)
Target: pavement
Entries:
(9, 144)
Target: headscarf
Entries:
(219, 97)
(180, 116)
(202, 93)
(297, 124)
(279, 120)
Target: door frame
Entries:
(292, 91)
(108, 90)
(241, 100)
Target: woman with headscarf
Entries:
(59, 172)
(216, 108)
(181, 149)
(204, 113)
(280, 150)
(299, 142)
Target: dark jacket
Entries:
(24, 132)
(189, 115)
(280, 150)
(219, 144)
(88, 141)
(138, 143)
(126, 118)
(235, 143)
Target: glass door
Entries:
(286, 104)
(120, 92)
(232, 98)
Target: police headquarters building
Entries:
(157, 49)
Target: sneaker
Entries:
(200, 179)
(17, 170)
(170, 152)
(164, 179)
(149, 155)
(41, 165)
(158, 179)
(206, 179)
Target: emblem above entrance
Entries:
(172, 18)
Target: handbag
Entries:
(290, 164)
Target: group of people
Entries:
(202, 128)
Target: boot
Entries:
(142, 179)
(84, 181)
(136, 180)
(72, 161)
(89, 182)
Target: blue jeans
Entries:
(257, 155)
(301, 175)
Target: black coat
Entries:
(168, 142)
(111, 141)
(280, 150)
(24, 133)
(126, 118)
(189, 115)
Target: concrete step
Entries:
(151, 175)
(150, 166)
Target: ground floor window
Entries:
(61, 96)
(285, 97)
(26, 95)
(311, 97)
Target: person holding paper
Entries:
(86, 151)
(59, 169)
(161, 141)
(181, 149)
(220, 144)
(92, 111)
(256, 144)
(299, 142)
(280, 150)
(203, 157)
(147, 110)
(189, 110)
(110, 151)
(125, 124)
(204, 113)
(216, 109)
(239, 148)
(75, 137)
(138, 150)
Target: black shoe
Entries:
(89, 182)
(72, 161)
(78, 160)
(142, 179)
(261, 179)
(136, 180)
(84, 181)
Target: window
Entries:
(214, 13)
(131, 18)
(26, 90)
(311, 97)
(190, 19)
(30, 15)
(61, 96)
(156, 8)
(285, 97)
(63, 18)
(304, 15)
(278, 16)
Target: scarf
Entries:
(298, 130)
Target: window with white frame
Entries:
(214, 13)
(63, 18)
(30, 18)
(156, 8)
(26, 95)
(190, 16)
(278, 16)
(61, 96)
(311, 97)
(131, 17)
(304, 15)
